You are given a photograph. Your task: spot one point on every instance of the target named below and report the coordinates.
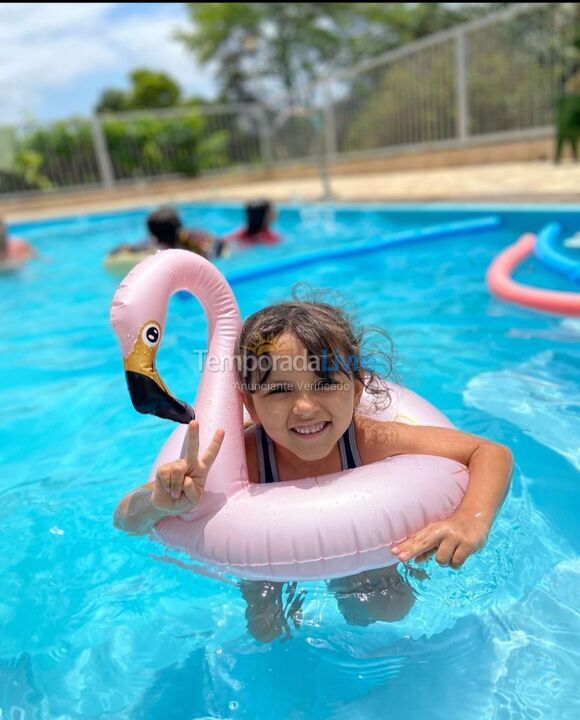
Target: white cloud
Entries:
(37, 20)
(57, 47)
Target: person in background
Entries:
(260, 214)
(13, 251)
(166, 232)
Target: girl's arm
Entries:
(136, 514)
(176, 489)
(490, 467)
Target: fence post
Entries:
(264, 134)
(329, 125)
(102, 153)
(318, 122)
(461, 87)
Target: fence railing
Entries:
(127, 147)
(495, 77)
(498, 76)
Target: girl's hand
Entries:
(452, 540)
(179, 484)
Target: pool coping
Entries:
(513, 184)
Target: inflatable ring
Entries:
(321, 527)
(120, 263)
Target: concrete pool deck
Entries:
(539, 182)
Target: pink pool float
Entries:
(500, 282)
(319, 527)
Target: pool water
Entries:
(97, 625)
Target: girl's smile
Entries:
(311, 431)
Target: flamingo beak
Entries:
(150, 396)
(148, 392)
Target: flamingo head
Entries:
(148, 392)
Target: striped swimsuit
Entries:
(268, 467)
(266, 597)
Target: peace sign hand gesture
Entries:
(179, 484)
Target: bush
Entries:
(62, 154)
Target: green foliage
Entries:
(153, 90)
(267, 50)
(148, 145)
(148, 90)
(140, 145)
(57, 154)
(514, 71)
(27, 165)
(407, 102)
(62, 154)
(112, 100)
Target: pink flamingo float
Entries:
(321, 527)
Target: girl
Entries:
(302, 374)
(260, 214)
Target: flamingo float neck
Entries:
(138, 316)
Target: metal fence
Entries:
(493, 78)
(126, 147)
(497, 77)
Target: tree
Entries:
(112, 100)
(272, 51)
(149, 90)
(153, 90)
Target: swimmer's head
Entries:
(164, 224)
(259, 216)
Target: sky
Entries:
(56, 58)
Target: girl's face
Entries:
(298, 410)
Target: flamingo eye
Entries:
(151, 334)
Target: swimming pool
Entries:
(96, 627)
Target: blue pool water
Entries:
(95, 625)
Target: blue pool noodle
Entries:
(404, 237)
(546, 250)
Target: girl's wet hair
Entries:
(332, 343)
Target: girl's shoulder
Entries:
(374, 438)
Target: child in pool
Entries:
(260, 214)
(302, 375)
(13, 251)
(166, 232)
